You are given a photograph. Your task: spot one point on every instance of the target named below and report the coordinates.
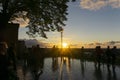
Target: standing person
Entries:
(12, 55)
(3, 62)
(108, 57)
(113, 54)
(82, 55)
(82, 52)
(99, 53)
(108, 54)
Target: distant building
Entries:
(9, 33)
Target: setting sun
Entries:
(64, 45)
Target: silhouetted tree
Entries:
(42, 15)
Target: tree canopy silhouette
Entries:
(43, 15)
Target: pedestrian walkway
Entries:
(23, 74)
(20, 73)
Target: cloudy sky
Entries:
(90, 23)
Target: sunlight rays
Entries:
(64, 45)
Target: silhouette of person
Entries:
(4, 63)
(54, 51)
(37, 50)
(12, 55)
(99, 53)
(113, 54)
(82, 53)
(38, 70)
(108, 55)
(36, 62)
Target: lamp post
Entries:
(60, 29)
(61, 39)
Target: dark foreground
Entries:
(67, 65)
(64, 68)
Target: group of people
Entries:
(7, 61)
(111, 54)
(108, 54)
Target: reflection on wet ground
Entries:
(64, 68)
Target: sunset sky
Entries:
(90, 23)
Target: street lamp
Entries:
(60, 29)
(61, 39)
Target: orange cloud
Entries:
(98, 4)
(92, 4)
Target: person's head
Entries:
(108, 47)
(98, 47)
(82, 47)
(114, 47)
(37, 46)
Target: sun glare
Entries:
(64, 45)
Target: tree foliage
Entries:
(43, 15)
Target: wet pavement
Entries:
(20, 73)
(71, 69)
